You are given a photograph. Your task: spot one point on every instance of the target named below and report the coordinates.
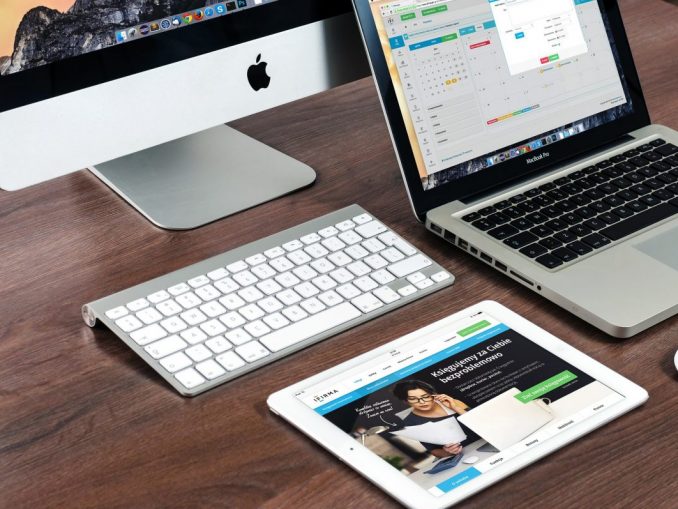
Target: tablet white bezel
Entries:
(399, 486)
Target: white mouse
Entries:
(470, 460)
(675, 360)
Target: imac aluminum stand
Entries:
(198, 179)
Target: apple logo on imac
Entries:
(256, 75)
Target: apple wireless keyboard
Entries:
(213, 321)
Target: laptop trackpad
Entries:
(663, 248)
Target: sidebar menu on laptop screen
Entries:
(481, 82)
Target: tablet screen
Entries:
(459, 401)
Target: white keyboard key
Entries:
(365, 283)
(236, 266)
(175, 362)
(169, 308)
(348, 291)
(330, 298)
(324, 282)
(299, 257)
(358, 269)
(149, 316)
(165, 347)
(310, 327)
(305, 272)
(264, 271)
(137, 305)
(281, 264)
(425, 283)
(269, 287)
(213, 309)
(370, 229)
(295, 313)
(199, 281)
(179, 289)
(409, 265)
(250, 294)
(213, 328)
(226, 285)
(245, 278)
(232, 320)
(189, 378)
(193, 335)
(339, 259)
(391, 239)
(238, 336)
(312, 306)
(345, 225)
(373, 245)
(193, 316)
(356, 252)
(330, 231)
(341, 275)
(256, 259)
(251, 312)
(311, 238)
(382, 277)
(188, 300)
(350, 237)
(392, 254)
(207, 293)
(440, 276)
(257, 328)
(158, 297)
(148, 334)
(128, 323)
(218, 344)
(293, 245)
(270, 304)
(362, 219)
(333, 244)
(287, 279)
(316, 250)
(232, 302)
(230, 361)
(376, 262)
(218, 274)
(210, 369)
(416, 277)
(367, 302)
(323, 265)
(386, 294)
(276, 321)
(198, 353)
(407, 290)
(274, 252)
(174, 324)
(252, 351)
(306, 290)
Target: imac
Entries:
(138, 92)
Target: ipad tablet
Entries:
(507, 389)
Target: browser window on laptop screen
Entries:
(482, 82)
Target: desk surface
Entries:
(84, 422)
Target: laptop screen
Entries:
(481, 82)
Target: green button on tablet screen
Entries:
(537, 391)
(473, 328)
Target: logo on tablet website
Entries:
(322, 397)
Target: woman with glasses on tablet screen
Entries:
(429, 406)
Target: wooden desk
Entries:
(84, 422)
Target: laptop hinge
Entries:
(497, 189)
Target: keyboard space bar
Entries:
(309, 327)
(639, 221)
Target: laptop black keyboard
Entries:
(557, 222)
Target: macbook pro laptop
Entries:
(524, 139)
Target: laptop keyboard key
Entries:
(551, 243)
(483, 224)
(541, 231)
(533, 250)
(498, 218)
(641, 221)
(650, 200)
(512, 212)
(595, 224)
(502, 232)
(566, 237)
(556, 224)
(608, 218)
(663, 194)
(549, 261)
(657, 143)
(522, 224)
(579, 247)
(667, 149)
(521, 240)
(469, 218)
(580, 230)
(536, 217)
(565, 254)
(600, 206)
(637, 206)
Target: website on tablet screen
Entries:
(459, 401)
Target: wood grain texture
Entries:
(84, 422)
